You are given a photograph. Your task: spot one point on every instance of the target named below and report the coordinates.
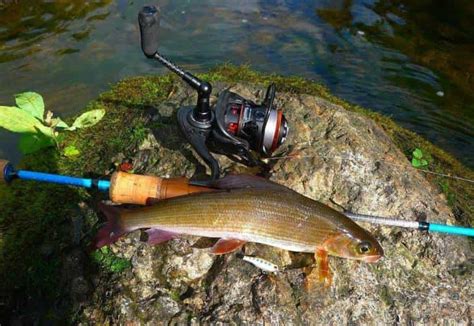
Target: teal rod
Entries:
(422, 226)
(451, 229)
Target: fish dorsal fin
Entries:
(239, 181)
(157, 236)
(224, 246)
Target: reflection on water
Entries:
(407, 59)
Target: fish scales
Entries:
(282, 218)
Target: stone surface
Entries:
(334, 156)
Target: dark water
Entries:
(411, 60)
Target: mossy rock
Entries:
(42, 225)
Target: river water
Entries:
(411, 60)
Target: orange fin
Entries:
(224, 246)
(321, 274)
(322, 264)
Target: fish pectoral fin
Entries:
(322, 264)
(157, 236)
(224, 246)
(320, 274)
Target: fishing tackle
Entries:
(236, 127)
(123, 188)
(126, 188)
(421, 226)
(261, 263)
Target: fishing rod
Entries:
(123, 188)
(126, 188)
(421, 226)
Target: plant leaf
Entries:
(32, 103)
(424, 162)
(417, 153)
(415, 162)
(16, 120)
(30, 143)
(71, 151)
(88, 119)
(58, 123)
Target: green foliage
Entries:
(16, 120)
(106, 259)
(40, 130)
(31, 103)
(88, 119)
(418, 160)
(448, 192)
(71, 151)
(30, 143)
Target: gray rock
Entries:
(334, 156)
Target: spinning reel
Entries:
(236, 127)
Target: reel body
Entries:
(236, 127)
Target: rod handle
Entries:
(126, 188)
(6, 171)
(149, 21)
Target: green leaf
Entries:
(58, 123)
(424, 162)
(88, 119)
(71, 151)
(415, 162)
(16, 120)
(417, 153)
(32, 103)
(30, 143)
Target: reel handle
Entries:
(149, 21)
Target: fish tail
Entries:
(113, 228)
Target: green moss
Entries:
(35, 225)
(34, 230)
(109, 261)
(175, 295)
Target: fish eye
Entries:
(364, 247)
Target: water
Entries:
(407, 59)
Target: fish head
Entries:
(360, 246)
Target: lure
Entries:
(261, 263)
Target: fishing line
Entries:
(298, 156)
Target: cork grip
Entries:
(128, 188)
(3, 165)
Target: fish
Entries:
(258, 211)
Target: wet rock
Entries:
(338, 157)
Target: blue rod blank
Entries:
(102, 185)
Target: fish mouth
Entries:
(372, 258)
